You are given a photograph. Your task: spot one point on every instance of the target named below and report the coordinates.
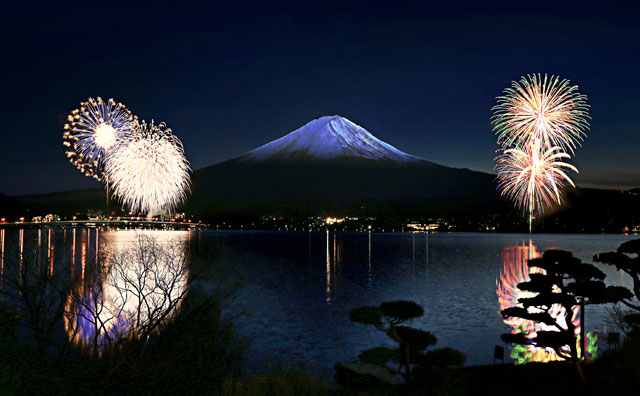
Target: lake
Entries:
(298, 288)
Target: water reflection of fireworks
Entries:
(142, 276)
(515, 271)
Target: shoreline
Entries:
(174, 225)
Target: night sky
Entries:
(229, 78)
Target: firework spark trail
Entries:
(533, 177)
(541, 108)
(149, 171)
(93, 131)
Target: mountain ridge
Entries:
(328, 138)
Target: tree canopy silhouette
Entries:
(565, 282)
(627, 259)
(412, 342)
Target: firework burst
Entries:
(149, 172)
(93, 131)
(539, 108)
(533, 178)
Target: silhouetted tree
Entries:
(565, 282)
(623, 260)
(627, 259)
(36, 289)
(388, 318)
(617, 314)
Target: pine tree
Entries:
(565, 282)
(412, 342)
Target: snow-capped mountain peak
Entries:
(326, 138)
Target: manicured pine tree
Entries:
(412, 342)
(566, 282)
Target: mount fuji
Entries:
(327, 138)
(331, 166)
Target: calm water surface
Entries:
(298, 288)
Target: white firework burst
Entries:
(149, 172)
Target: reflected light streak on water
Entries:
(21, 247)
(97, 247)
(73, 252)
(83, 253)
(426, 254)
(369, 259)
(38, 245)
(333, 262)
(2, 252)
(328, 271)
(413, 248)
(51, 252)
(336, 262)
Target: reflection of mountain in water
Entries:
(515, 270)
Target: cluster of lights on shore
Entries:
(539, 122)
(144, 163)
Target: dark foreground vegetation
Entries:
(45, 348)
(147, 319)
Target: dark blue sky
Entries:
(229, 78)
